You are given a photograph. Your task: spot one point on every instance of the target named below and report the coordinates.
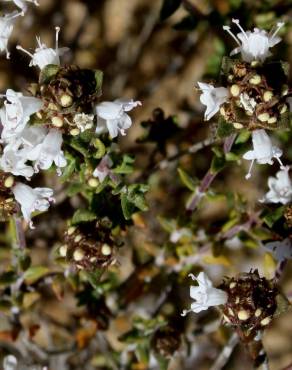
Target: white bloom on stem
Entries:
(31, 200)
(112, 116)
(212, 97)
(282, 250)
(48, 152)
(280, 188)
(83, 121)
(44, 55)
(16, 113)
(263, 151)
(205, 295)
(10, 362)
(13, 161)
(103, 168)
(6, 28)
(254, 45)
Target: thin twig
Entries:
(226, 352)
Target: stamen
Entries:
(185, 312)
(193, 277)
(57, 37)
(227, 28)
(18, 47)
(279, 26)
(281, 163)
(248, 175)
(236, 21)
(39, 42)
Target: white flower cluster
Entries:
(253, 46)
(7, 23)
(28, 149)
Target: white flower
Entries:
(282, 250)
(22, 4)
(30, 200)
(212, 97)
(103, 168)
(16, 113)
(280, 188)
(10, 362)
(254, 45)
(44, 55)
(14, 162)
(83, 121)
(48, 152)
(113, 117)
(205, 294)
(6, 28)
(263, 150)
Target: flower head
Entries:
(16, 113)
(254, 45)
(212, 97)
(44, 55)
(205, 294)
(113, 117)
(83, 121)
(280, 188)
(263, 150)
(6, 28)
(30, 200)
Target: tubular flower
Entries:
(44, 55)
(48, 152)
(280, 188)
(16, 113)
(112, 116)
(30, 200)
(212, 97)
(22, 4)
(254, 45)
(205, 294)
(6, 28)
(282, 250)
(263, 151)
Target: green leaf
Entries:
(168, 8)
(7, 278)
(98, 79)
(48, 73)
(187, 180)
(83, 215)
(79, 145)
(100, 148)
(69, 169)
(224, 128)
(94, 278)
(274, 216)
(34, 273)
(126, 167)
(128, 208)
(243, 137)
(217, 165)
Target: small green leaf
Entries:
(273, 216)
(126, 167)
(128, 208)
(48, 73)
(98, 79)
(187, 180)
(224, 128)
(34, 273)
(83, 215)
(7, 278)
(217, 165)
(69, 169)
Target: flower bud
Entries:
(255, 80)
